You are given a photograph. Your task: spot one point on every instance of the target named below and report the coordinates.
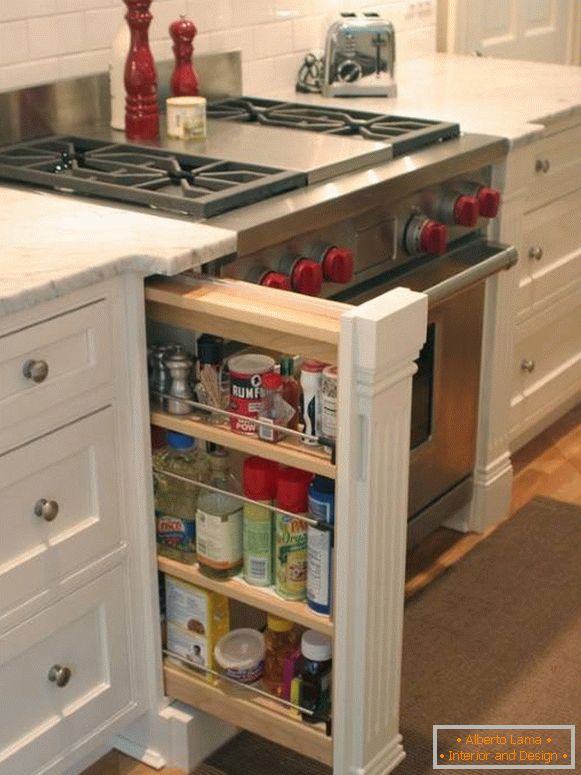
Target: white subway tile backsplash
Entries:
(102, 26)
(42, 40)
(74, 65)
(27, 73)
(272, 39)
(13, 42)
(55, 35)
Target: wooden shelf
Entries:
(286, 322)
(257, 597)
(288, 452)
(253, 712)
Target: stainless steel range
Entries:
(334, 202)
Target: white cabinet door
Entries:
(379, 342)
(73, 472)
(43, 720)
(535, 30)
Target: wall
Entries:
(44, 40)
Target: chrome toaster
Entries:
(359, 57)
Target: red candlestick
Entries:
(141, 111)
(184, 81)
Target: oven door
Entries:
(446, 385)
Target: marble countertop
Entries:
(509, 98)
(52, 244)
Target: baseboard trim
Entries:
(385, 761)
(136, 751)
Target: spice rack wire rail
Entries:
(287, 451)
(255, 713)
(252, 314)
(257, 597)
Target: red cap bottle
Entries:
(292, 490)
(259, 478)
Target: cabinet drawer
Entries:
(74, 470)
(74, 349)
(551, 251)
(85, 633)
(556, 167)
(547, 363)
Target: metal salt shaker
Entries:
(160, 379)
(179, 365)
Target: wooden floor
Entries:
(550, 465)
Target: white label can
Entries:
(311, 377)
(186, 118)
(329, 402)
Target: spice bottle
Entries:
(291, 535)
(219, 522)
(210, 389)
(290, 389)
(314, 669)
(311, 377)
(176, 499)
(282, 639)
(259, 484)
(320, 545)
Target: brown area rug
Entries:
(494, 640)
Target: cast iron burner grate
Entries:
(404, 134)
(198, 186)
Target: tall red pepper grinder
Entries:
(184, 80)
(141, 111)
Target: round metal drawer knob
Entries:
(59, 675)
(527, 365)
(37, 371)
(542, 165)
(536, 253)
(46, 509)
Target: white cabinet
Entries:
(60, 507)
(64, 673)
(546, 177)
(70, 605)
(376, 345)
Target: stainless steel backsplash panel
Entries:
(63, 106)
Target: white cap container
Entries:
(240, 654)
(316, 646)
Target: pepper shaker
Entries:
(159, 379)
(179, 364)
(184, 80)
(141, 111)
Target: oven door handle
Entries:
(503, 257)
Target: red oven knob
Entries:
(466, 211)
(488, 202)
(276, 280)
(433, 238)
(338, 265)
(307, 277)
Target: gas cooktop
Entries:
(403, 134)
(196, 185)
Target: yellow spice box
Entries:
(196, 620)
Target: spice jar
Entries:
(314, 669)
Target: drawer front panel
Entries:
(556, 167)
(551, 251)
(74, 471)
(76, 347)
(85, 633)
(547, 363)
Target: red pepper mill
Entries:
(184, 81)
(141, 111)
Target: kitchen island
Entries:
(92, 580)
